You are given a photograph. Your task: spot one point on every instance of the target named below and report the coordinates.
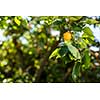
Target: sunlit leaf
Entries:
(88, 33)
(74, 51)
(91, 21)
(74, 18)
(17, 21)
(55, 53)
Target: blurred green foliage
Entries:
(33, 52)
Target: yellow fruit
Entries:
(67, 36)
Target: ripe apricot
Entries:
(67, 36)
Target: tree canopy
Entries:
(49, 49)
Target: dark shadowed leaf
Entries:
(76, 71)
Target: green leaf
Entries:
(88, 35)
(86, 59)
(76, 71)
(91, 21)
(76, 28)
(74, 18)
(74, 51)
(55, 53)
(71, 57)
(17, 21)
(59, 52)
(88, 31)
(82, 44)
(63, 50)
